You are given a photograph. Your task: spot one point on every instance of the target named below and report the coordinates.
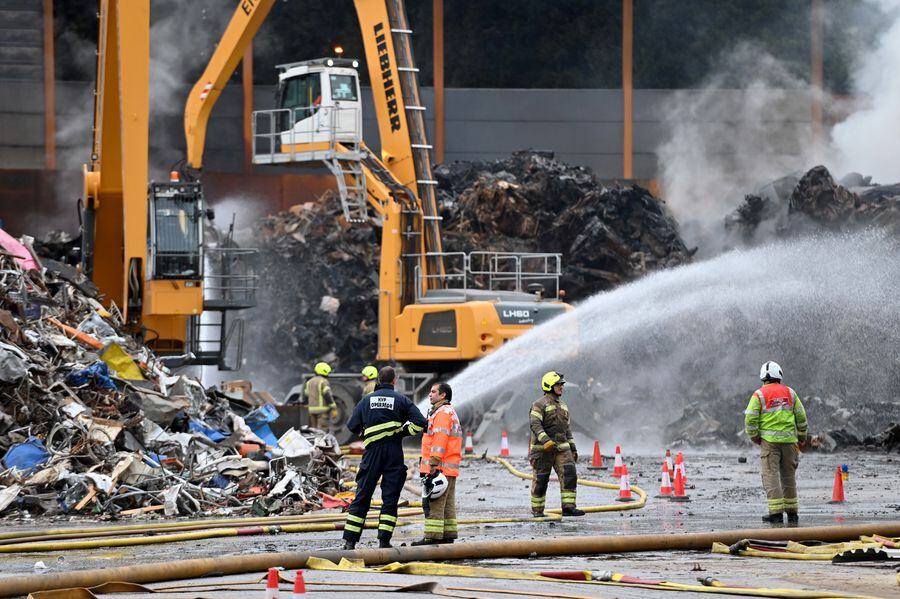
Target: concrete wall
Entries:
(582, 126)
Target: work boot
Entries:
(537, 514)
(446, 541)
(793, 519)
(572, 511)
(385, 544)
(425, 542)
(773, 518)
(349, 545)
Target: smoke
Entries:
(748, 125)
(868, 141)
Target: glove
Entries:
(801, 444)
(333, 414)
(757, 440)
(551, 444)
(575, 455)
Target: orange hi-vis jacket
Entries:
(442, 442)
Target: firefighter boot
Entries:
(774, 518)
(793, 519)
(572, 511)
(349, 545)
(425, 542)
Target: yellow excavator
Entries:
(437, 310)
(143, 242)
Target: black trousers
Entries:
(381, 461)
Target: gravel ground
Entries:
(725, 495)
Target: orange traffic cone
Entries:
(272, 584)
(617, 464)
(669, 461)
(597, 460)
(624, 486)
(837, 493)
(299, 585)
(679, 465)
(470, 446)
(679, 487)
(504, 445)
(665, 485)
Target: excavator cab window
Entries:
(302, 95)
(175, 230)
(343, 88)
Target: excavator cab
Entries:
(318, 103)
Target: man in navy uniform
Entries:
(382, 418)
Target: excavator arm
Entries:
(241, 30)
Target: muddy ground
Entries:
(725, 495)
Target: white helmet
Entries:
(770, 371)
(436, 487)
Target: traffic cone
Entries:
(470, 446)
(617, 464)
(504, 445)
(624, 486)
(679, 487)
(272, 584)
(299, 585)
(597, 460)
(665, 486)
(837, 493)
(679, 466)
(669, 461)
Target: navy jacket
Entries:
(385, 417)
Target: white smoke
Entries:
(868, 141)
(748, 125)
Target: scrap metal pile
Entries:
(815, 202)
(92, 422)
(531, 202)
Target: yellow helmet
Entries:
(370, 373)
(323, 369)
(550, 379)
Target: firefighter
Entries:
(317, 396)
(439, 467)
(382, 419)
(370, 379)
(776, 421)
(552, 447)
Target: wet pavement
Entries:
(725, 495)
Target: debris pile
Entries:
(318, 293)
(531, 202)
(91, 421)
(815, 202)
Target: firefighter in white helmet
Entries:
(776, 421)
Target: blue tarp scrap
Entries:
(26, 456)
(198, 427)
(97, 373)
(263, 414)
(265, 433)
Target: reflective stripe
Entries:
(536, 414)
(779, 433)
(380, 427)
(386, 527)
(380, 436)
(387, 517)
(549, 408)
(352, 528)
(784, 408)
(542, 435)
(357, 519)
(751, 412)
(562, 446)
(415, 428)
(440, 429)
(435, 450)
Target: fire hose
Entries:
(545, 547)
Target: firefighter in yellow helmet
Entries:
(318, 398)
(552, 447)
(370, 379)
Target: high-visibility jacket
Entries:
(776, 414)
(317, 392)
(549, 421)
(442, 441)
